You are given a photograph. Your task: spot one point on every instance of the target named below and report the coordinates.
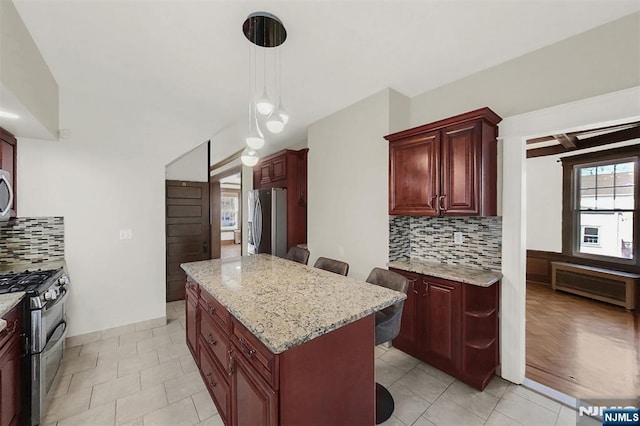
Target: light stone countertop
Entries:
(7, 302)
(284, 303)
(463, 274)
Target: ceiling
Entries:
(191, 56)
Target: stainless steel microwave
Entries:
(6, 195)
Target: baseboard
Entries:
(83, 339)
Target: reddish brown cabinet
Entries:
(287, 169)
(10, 370)
(191, 306)
(250, 385)
(8, 161)
(452, 326)
(445, 168)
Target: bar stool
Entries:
(387, 328)
(332, 265)
(298, 254)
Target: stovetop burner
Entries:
(27, 281)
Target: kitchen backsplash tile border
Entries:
(431, 238)
(31, 240)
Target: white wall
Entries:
(109, 175)
(602, 60)
(348, 186)
(544, 204)
(544, 199)
(192, 166)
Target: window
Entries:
(229, 210)
(600, 208)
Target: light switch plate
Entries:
(458, 238)
(125, 234)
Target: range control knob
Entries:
(48, 295)
(63, 280)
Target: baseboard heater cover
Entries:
(606, 285)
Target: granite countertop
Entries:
(463, 274)
(285, 303)
(7, 302)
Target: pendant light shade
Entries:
(263, 104)
(255, 140)
(275, 122)
(249, 157)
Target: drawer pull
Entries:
(212, 384)
(211, 340)
(210, 308)
(246, 348)
(230, 366)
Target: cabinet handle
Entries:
(245, 348)
(441, 199)
(210, 308)
(230, 365)
(212, 383)
(431, 202)
(211, 340)
(413, 286)
(426, 288)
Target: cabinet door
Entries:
(10, 395)
(408, 340)
(262, 174)
(192, 325)
(441, 306)
(414, 175)
(279, 168)
(460, 168)
(253, 401)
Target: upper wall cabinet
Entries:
(445, 168)
(8, 161)
(287, 169)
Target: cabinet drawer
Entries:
(256, 353)
(14, 326)
(216, 383)
(216, 340)
(217, 312)
(192, 287)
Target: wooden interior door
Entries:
(188, 234)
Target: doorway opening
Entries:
(226, 213)
(582, 330)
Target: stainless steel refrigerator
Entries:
(268, 221)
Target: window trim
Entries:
(570, 228)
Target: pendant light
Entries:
(275, 122)
(265, 30)
(249, 157)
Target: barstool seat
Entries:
(387, 328)
(298, 254)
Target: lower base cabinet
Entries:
(451, 326)
(328, 380)
(10, 369)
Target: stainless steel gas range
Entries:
(45, 330)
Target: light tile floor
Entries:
(141, 377)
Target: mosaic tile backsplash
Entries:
(31, 240)
(431, 238)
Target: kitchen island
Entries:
(278, 342)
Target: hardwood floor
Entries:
(581, 347)
(230, 250)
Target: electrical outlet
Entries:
(125, 234)
(458, 238)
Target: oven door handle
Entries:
(58, 300)
(57, 337)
